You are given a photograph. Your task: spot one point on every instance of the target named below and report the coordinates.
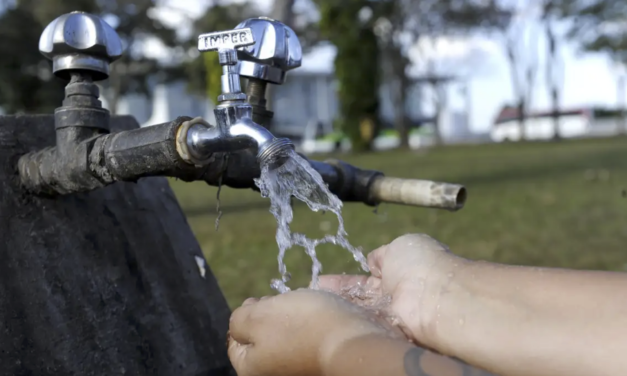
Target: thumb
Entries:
(237, 355)
(376, 259)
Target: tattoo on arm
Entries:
(420, 362)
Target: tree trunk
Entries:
(517, 88)
(398, 77)
(555, 114)
(522, 121)
(400, 117)
(439, 105)
(551, 79)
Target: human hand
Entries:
(297, 333)
(411, 273)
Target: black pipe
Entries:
(152, 151)
(349, 183)
(148, 151)
(77, 164)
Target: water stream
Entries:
(296, 178)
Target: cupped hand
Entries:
(297, 333)
(408, 278)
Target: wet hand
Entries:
(297, 333)
(412, 273)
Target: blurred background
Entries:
(522, 101)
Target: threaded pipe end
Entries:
(275, 152)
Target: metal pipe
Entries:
(202, 141)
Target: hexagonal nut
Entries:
(276, 44)
(80, 41)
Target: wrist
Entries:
(435, 299)
(469, 304)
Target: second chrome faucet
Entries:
(235, 129)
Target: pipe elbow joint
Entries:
(53, 171)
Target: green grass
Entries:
(529, 204)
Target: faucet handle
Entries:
(80, 41)
(275, 51)
(226, 42)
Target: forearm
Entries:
(376, 355)
(522, 320)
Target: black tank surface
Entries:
(101, 283)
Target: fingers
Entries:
(240, 324)
(246, 359)
(247, 320)
(339, 283)
(412, 245)
(375, 260)
(237, 354)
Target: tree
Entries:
(25, 76)
(390, 24)
(356, 66)
(408, 23)
(554, 70)
(520, 44)
(598, 26)
(27, 81)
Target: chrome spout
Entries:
(246, 129)
(244, 134)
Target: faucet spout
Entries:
(203, 140)
(246, 129)
(269, 148)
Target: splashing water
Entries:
(297, 178)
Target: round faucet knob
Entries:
(80, 41)
(276, 50)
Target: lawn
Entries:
(545, 204)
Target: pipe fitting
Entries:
(186, 136)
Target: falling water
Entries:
(296, 178)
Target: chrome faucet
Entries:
(276, 51)
(235, 129)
